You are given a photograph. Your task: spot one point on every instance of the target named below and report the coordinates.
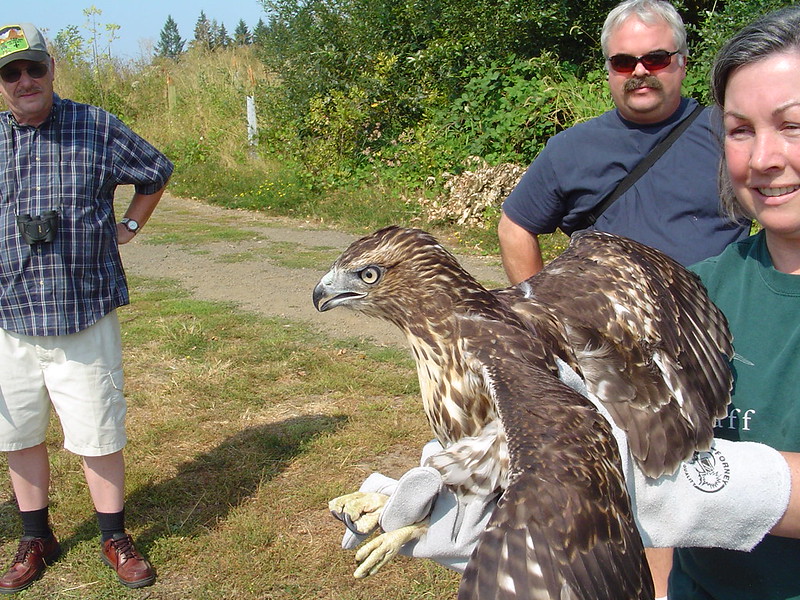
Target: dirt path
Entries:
(250, 273)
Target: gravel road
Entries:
(252, 272)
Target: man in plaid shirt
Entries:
(61, 280)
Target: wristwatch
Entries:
(130, 225)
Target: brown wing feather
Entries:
(649, 342)
(563, 529)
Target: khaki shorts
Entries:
(79, 374)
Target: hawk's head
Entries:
(394, 273)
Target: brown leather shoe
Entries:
(132, 568)
(32, 558)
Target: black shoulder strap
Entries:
(640, 169)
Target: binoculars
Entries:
(38, 229)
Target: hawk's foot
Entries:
(360, 511)
(372, 555)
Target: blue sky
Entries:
(141, 21)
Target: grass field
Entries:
(241, 429)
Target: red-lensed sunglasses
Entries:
(35, 71)
(652, 61)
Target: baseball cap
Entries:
(21, 42)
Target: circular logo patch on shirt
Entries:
(707, 471)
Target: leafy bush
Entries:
(508, 111)
(188, 151)
(714, 28)
(391, 67)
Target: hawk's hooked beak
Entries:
(330, 293)
(321, 297)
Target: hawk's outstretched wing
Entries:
(650, 344)
(563, 528)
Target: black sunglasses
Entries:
(35, 71)
(652, 61)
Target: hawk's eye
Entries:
(370, 275)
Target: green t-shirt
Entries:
(763, 310)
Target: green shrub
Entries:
(714, 28)
(509, 110)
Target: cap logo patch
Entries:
(12, 39)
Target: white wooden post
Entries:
(252, 127)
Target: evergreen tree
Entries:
(202, 33)
(213, 33)
(223, 39)
(219, 35)
(241, 37)
(259, 33)
(170, 45)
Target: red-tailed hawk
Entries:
(640, 330)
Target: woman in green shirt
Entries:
(756, 283)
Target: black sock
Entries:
(111, 524)
(36, 523)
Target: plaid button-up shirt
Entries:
(72, 164)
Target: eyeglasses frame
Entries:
(640, 59)
(16, 73)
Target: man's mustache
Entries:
(649, 81)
